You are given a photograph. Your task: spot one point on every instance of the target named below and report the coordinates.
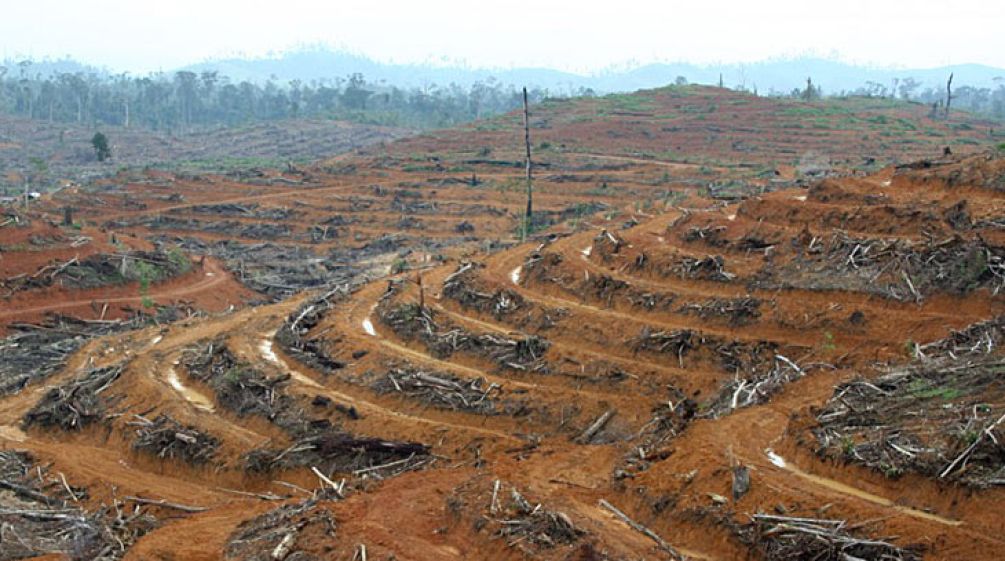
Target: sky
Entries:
(579, 36)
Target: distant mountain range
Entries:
(780, 76)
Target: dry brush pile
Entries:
(942, 416)
(895, 268)
(413, 322)
(34, 352)
(40, 514)
(784, 538)
(314, 442)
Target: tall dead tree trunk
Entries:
(530, 183)
(949, 93)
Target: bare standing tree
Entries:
(949, 93)
(530, 183)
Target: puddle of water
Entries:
(195, 398)
(775, 459)
(855, 492)
(10, 432)
(514, 275)
(265, 347)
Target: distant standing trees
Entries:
(185, 99)
(100, 143)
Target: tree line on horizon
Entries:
(187, 100)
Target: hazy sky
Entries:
(139, 36)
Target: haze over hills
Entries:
(771, 76)
(781, 76)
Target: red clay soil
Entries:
(595, 295)
(679, 488)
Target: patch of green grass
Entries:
(922, 389)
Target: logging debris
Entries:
(414, 322)
(165, 437)
(77, 402)
(782, 538)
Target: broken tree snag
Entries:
(530, 183)
(643, 530)
(741, 481)
(949, 93)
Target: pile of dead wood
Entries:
(462, 286)
(76, 403)
(255, 230)
(33, 354)
(292, 336)
(465, 287)
(875, 422)
(414, 322)
(273, 536)
(167, 438)
(753, 358)
(529, 526)
(743, 356)
(316, 443)
(442, 390)
(710, 268)
(739, 311)
(896, 268)
(35, 351)
(639, 298)
(539, 266)
(677, 342)
(282, 270)
(784, 538)
(668, 421)
(606, 244)
(754, 385)
(248, 210)
(711, 235)
(322, 446)
(239, 386)
(978, 338)
(546, 268)
(40, 515)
